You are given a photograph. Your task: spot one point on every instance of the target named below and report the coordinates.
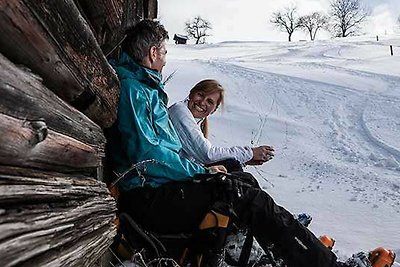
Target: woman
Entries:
(189, 118)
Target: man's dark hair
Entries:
(141, 37)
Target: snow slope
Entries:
(330, 108)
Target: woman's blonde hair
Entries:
(208, 87)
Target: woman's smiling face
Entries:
(201, 105)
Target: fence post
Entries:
(391, 50)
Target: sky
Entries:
(248, 20)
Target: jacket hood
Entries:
(127, 68)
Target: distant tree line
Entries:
(345, 19)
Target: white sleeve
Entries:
(195, 145)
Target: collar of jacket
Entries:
(150, 77)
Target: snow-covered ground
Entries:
(330, 108)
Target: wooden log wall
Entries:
(57, 94)
(53, 211)
(54, 40)
(53, 219)
(24, 96)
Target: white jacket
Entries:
(195, 146)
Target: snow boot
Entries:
(381, 257)
(359, 259)
(328, 241)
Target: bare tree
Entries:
(312, 23)
(197, 28)
(286, 20)
(347, 16)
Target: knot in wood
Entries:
(40, 129)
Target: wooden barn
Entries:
(57, 94)
(180, 39)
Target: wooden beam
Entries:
(23, 96)
(51, 219)
(32, 144)
(151, 8)
(53, 39)
(46, 186)
(109, 19)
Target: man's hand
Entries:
(217, 168)
(261, 155)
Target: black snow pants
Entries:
(179, 207)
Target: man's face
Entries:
(160, 58)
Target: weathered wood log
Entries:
(23, 96)
(53, 39)
(45, 186)
(150, 8)
(110, 18)
(106, 20)
(32, 144)
(51, 219)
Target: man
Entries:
(162, 195)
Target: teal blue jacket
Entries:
(143, 130)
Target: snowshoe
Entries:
(214, 258)
(236, 246)
(359, 259)
(269, 260)
(304, 218)
(242, 250)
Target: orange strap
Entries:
(214, 219)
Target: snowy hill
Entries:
(330, 108)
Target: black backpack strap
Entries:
(246, 250)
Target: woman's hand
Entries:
(217, 168)
(261, 155)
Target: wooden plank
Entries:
(53, 39)
(23, 96)
(32, 144)
(68, 222)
